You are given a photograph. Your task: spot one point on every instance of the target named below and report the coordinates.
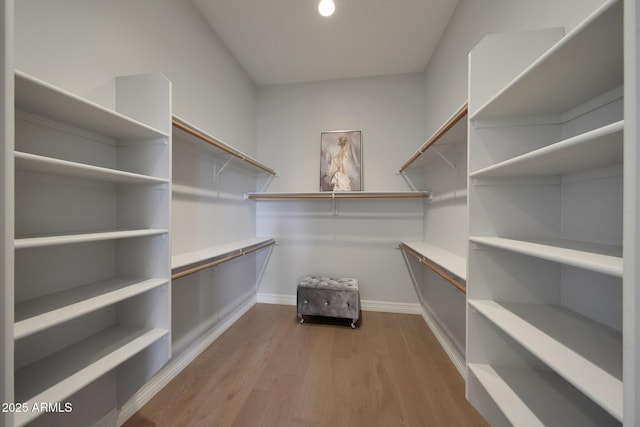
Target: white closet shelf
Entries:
(43, 312)
(537, 398)
(59, 375)
(587, 62)
(597, 148)
(48, 165)
(342, 195)
(449, 266)
(606, 259)
(216, 255)
(188, 132)
(69, 238)
(452, 132)
(584, 352)
(45, 100)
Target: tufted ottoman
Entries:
(323, 296)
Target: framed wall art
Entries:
(341, 160)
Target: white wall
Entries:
(445, 91)
(81, 46)
(360, 241)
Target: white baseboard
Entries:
(175, 366)
(448, 346)
(391, 307)
(276, 299)
(366, 305)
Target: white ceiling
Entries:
(287, 41)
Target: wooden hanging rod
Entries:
(220, 145)
(435, 268)
(457, 116)
(219, 261)
(342, 195)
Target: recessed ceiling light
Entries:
(326, 7)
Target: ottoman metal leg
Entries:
(300, 319)
(353, 323)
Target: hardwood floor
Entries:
(267, 370)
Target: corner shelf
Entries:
(342, 195)
(452, 132)
(191, 262)
(183, 130)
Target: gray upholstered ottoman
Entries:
(323, 296)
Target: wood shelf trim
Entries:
(193, 131)
(436, 268)
(342, 195)
(453, 120)
(225, 258)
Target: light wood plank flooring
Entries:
(267, 370)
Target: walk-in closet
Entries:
(173, 172)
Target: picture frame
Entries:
(341, 160)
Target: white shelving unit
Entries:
(544, 291)
(92, 248)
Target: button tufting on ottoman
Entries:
(324, 296)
